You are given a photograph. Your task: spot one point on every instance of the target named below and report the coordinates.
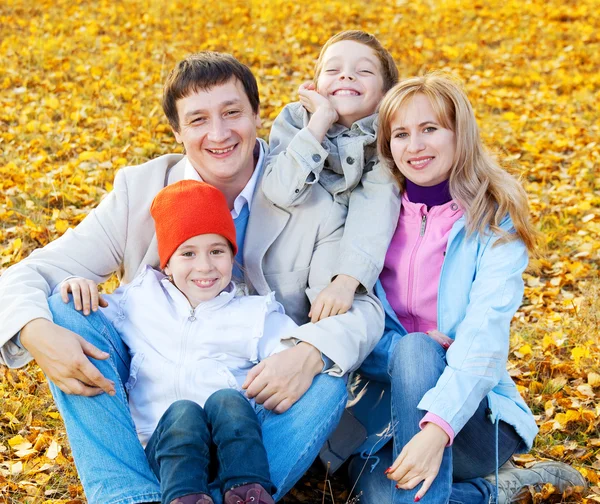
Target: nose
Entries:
(219, 131)
(415, 144)
(346, 74)
(203, 263)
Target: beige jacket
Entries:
(292, 252)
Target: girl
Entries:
(329, 137)
(450, 285)
(192, 339)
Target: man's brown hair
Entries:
(201, 72)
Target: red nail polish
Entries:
(446, 345)
(397, 487)
(417, 498)
(388, 470)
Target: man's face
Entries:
(217, 127)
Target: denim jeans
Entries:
(110, 460)
(223, 438)
(416, 364)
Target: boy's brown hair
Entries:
(201, 72)
(389, 71)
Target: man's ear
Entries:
(177, 136)
(257, 119)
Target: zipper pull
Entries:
(192, 317)
(423, 224)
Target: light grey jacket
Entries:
(292, 252)
(345, 164)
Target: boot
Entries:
(252, 493)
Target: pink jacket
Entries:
(412, 268)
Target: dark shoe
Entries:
(253, 493)
(193, 499)
(513, 480)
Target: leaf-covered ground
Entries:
(80, 83)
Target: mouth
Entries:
(205, 283)
(345, 92)
(222, 152)
(420, 162)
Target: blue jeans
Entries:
(416, 364)
(192, 443)
(110, 460)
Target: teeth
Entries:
(204, 283)
(420, 162)
(345, 92)
(222, 151)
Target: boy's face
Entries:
(351, 79)
(201, 267)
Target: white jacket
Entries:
(179, 352)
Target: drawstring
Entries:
(496, 423)
(366, 456)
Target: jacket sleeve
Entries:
(373, 213)
(277, 326)
(346, 339)
(295, 159)
(93, 250)
(477, 358)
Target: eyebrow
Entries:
(203, 111)
(420, 125)
(214, 244)
(360, 60)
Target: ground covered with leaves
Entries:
(79, 98)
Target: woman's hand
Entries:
(85, 294)
(420, 460)
(441, 338)
(334, 299)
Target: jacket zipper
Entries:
(410, 297)
(183, 352)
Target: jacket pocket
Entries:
(289, 281)
(134, 369)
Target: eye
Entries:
(331, 70)
(198, 120)
(430, 129)
(401, 134)
(365, 71)
(232, 113)
(187, 254)
(217, 251)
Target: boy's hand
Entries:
(334, 299)
(323, 113)
(85, 294)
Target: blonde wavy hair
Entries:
(485, 191)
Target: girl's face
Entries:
(351, 79)
(422, 149)
(201, 267)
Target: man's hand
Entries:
(419, 460)
(280, 380)
(323, 113)
(85, 294)
(334, 299)
(63, 356)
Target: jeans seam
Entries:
(147, 497)
(341, 405)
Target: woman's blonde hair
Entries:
(485, 191)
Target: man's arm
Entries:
(93, 250)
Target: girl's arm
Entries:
(295, 159)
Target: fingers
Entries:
(423, 490)
(283, 406)
(75, 387)
(310, 85)
(90, 375)
(103, 303)
(92, 351)
(64, 293)
(316, 309)
(252, 374)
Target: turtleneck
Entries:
(431, 196)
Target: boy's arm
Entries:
(295, 159)
(373, 212)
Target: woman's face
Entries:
(422, 149)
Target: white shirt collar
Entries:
(245, 197)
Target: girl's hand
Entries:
(334, 299)
(441, 338)
(85, 294)
(420, 460)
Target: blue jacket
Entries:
(480, 289)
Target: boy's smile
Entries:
(351, 79)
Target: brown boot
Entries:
(193, 499)
(252, 493)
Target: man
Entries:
(212, 104)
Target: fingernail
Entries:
(417, 498)
(445, 344)
(387, 470)
(397, 487)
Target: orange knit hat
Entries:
(186, 209)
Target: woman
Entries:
(450, 285)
